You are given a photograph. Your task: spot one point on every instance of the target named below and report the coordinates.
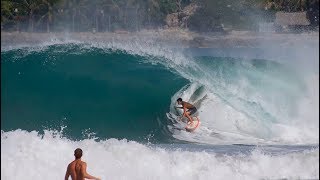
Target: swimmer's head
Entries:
(78, 153)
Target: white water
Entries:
(221, 123)
(27, 155)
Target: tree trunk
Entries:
(125, 18)
(104, 23)
(109, 24)
(31, 21)
(97, 22)
(73, 21)
(78, 21)
(178, 4)
(49, 17)
(300, 4)
(48, 26)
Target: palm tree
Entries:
(79, 11)
(49, 14)
(31, 6)
(6, 11)
(108, 6)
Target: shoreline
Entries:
(173, 37)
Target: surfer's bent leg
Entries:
(191, 112)
(189, 117)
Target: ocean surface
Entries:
(259, 113)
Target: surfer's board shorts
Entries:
(192, 110)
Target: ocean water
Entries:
(259, 116)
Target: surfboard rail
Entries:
(194, 125)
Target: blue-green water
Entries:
(259, 118)
(110, 93)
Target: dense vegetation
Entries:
(133, 15)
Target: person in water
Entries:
(188, 109)
(77, 169)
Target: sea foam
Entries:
(29, 155)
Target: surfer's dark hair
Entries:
(179, 99)
(78, 153)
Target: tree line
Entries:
(134, 15)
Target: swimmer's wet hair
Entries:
(78, 153)
(179, 99)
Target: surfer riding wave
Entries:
(188, 109)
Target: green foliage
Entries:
(6, 11)
(213, 15)
(108, 15)
(168, 6)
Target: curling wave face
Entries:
(125, 90)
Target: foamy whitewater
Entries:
(26, 155)
(259, 114)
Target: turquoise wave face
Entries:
(110, 93)
(91, 91)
